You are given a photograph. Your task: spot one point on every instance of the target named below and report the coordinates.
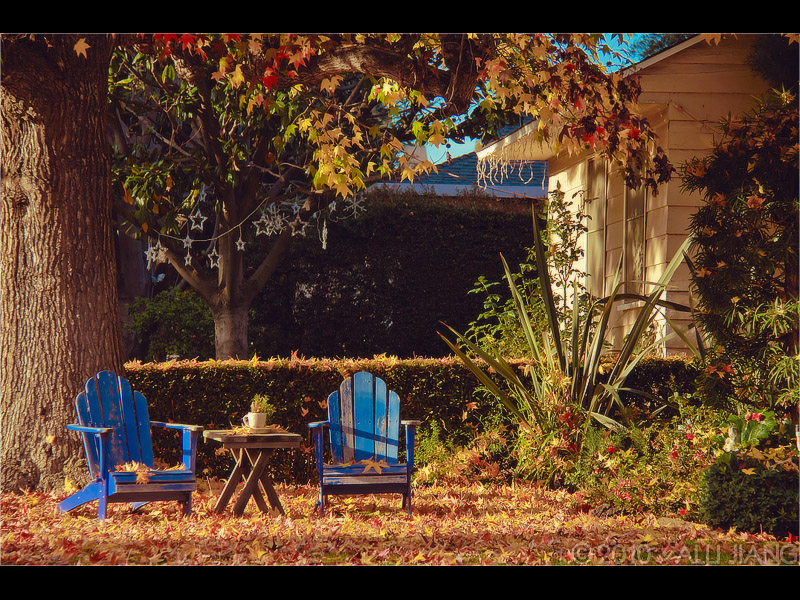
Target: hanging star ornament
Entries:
(161, 253)
(197, 220)
(240, 244)
(155, 254)
(150, 255)
(261, 225)
(213, 257)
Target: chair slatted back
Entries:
(364, 420)
(109, 401)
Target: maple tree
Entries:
(269, 130)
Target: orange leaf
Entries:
(80, 47)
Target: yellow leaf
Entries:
(749, 471)
(80, 47)
(237, 78)
(373, 464)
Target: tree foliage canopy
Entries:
(746, 253)
(272, 129)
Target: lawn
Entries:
(475, 525)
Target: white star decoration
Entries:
(155, 254)
(197, 221)
(270, 222)
(213, 257)
(240, 242)
(261, 222)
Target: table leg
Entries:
(233, 481)
(252, 482)
(269, 490)
(258, 495)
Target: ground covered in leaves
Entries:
(450, 526)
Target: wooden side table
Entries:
(251, 451)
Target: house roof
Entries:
(463, 173)
(521, 145)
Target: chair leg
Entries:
(321, 504)
(135, 506)
(91, 492)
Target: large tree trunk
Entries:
(230, 332)
(60, 316)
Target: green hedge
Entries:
(217, 394)
(388, 277)
(741, 492)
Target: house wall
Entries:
(684, 96)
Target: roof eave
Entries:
(535, 151)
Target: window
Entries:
(596, 226)
(634, 243)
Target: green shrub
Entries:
(751, 494)
(173, 323)
(753, 483)
(486, 459)
(217, 394)
(655, 466)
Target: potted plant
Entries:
(261, 412)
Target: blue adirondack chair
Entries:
(114, 424)
(364, 426)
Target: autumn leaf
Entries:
(237, 78)
(453, 524)
(377, 465)
(81, 47)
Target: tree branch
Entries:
(455, 83)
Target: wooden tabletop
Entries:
(252, 439)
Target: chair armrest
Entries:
(411, 432)
(101, 443)
(318, 431)
(95, 430)
(188, 441)
(192, 428)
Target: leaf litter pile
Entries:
(476, 525)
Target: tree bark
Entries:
(59, 309)
(230, 332)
